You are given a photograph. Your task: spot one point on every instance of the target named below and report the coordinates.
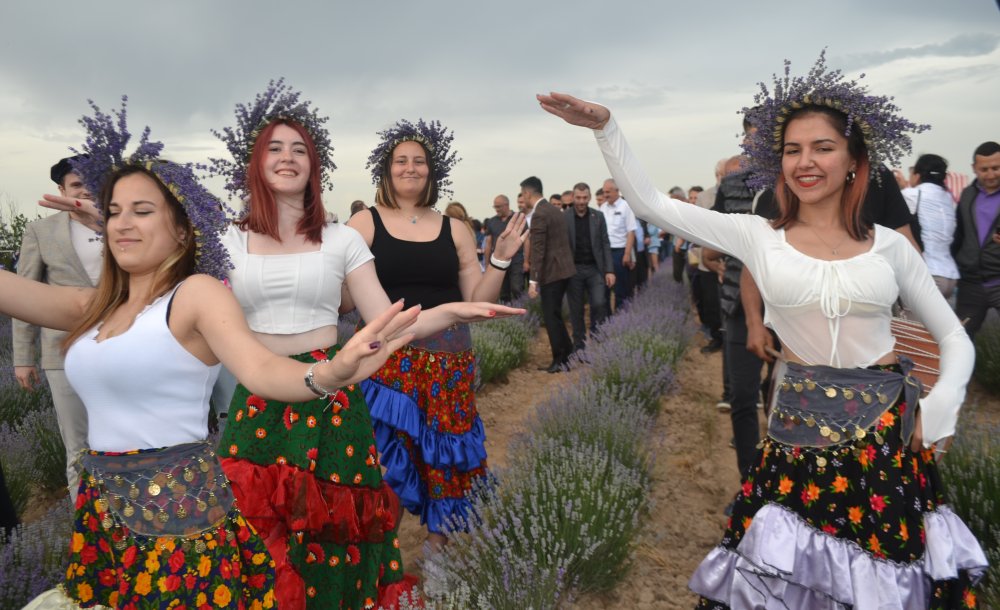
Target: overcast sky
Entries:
(674, 73)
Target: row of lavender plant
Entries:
(32, 455)
(972, 476)
(562, 517)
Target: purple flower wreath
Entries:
(104, 151)
(278, 101)
(884, 131)
(435, 138)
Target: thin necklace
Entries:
(834, 249)
(414, 218)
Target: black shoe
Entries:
(556, 367)
(712, 347)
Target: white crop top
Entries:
(142, 389)
(285, 294)
(834, 313)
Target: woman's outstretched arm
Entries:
(724, 232)
(57, 307)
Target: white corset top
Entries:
(286, 294)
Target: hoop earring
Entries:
(850, 177)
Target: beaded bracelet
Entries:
(314, 387)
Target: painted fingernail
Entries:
(375, 345)
(492, 313)
(78, 204)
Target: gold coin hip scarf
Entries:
(178, 491)
(821, 406)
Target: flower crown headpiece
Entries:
(278, 101)
(104, 151)
(434, 137)
(883, 130)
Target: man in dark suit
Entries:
(551, 266)
(588, 239)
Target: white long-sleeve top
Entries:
(935, 210)
(834, 313)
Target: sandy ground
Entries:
(694, 474)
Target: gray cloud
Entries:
(974, 44)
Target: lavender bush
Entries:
(19, 469)
(33, 558)
(987, 371)
(612, 419)
(565, 514)
(502, 345)
(972, 474)
(634, 371)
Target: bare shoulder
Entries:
(201, 290)
(363, 223)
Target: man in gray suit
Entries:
(588, 240)
(551, 267)
(62, 251)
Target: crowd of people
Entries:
(797, 258)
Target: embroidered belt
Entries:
(178, 491)
(822, 406)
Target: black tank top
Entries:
(424, 272)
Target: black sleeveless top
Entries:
(424, 272)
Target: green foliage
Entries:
(12, 225)
(972, 474)
(987, 370)
(502, 345)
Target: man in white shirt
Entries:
(58, 250)
(621, 233)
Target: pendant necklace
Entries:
(416, 217)
(834, 249)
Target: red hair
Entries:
(262, 215)
(854, 191)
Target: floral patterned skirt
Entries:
(307, 476)
(427, 427)
(855, 525)
(225, 567)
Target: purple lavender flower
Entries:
(884, 130)
(277, 101)
(435, 138)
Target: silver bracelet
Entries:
(499, 264)
(314, 387)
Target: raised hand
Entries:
(84, 210)
(512, 238)
(371, 346)
(575, 111)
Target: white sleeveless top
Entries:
(142, 389)
(286, 294)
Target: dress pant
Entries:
(744, 369)
(72, 418)
(588, 283)
(974, 302)
(710, 308)
(552, 299)
(513, 283)
(623, 279)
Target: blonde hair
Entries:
(457, 211)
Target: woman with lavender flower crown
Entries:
(155, 524)
(423, 405)
(844, 507)
(307, 475)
